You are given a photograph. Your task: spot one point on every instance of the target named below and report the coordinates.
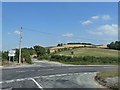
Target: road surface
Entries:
(51, 75)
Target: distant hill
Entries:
(74, 45)
(90, 52)
(80, 43)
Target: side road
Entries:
(45, 63)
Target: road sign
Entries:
(11, 53)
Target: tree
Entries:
(31, 51)
(39, 50)
(72, 52)
(48, 51)
(111, 45)
(114, 45)
(5, 55)
(117, 45)
(25, 55)
(60, 44)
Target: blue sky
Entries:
(61, 23)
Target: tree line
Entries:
(42, 52)
(26, 53)
(114, 45)
(61, 44)
(80, 43)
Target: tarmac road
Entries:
(51, 75)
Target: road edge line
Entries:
(36, 83)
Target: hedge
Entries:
(86, 59)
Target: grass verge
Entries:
(110, 74)
(109, 79)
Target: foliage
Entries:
(31, 51)
(48, 51)
(114, 45)
(80, 43)
(60, 44)
(24, 54)
(0, 54)
(39, 50)
(5, 55)
(85, 59)
(44, 57)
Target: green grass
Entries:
(91, 52)
(0, 63)
(111, 74)
(108, 74)
(0, 58)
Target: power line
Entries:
(76, 37)
(34, 30)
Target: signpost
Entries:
(11, 53)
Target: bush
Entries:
(85, 59)
(28, 60)
(26, 56)
(39, 50)
(44, 57)
(4, 55)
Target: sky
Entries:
(50, 23)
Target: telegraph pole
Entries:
(20, 46)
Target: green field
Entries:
(91, 52)
(109, 74)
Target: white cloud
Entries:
(9, 33)
(68, 35)
(106, 30)
(106, 17)
(86, 22)
(17, 32)
(95, 17)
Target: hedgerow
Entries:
(85, 59)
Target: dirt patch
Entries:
(104, 82)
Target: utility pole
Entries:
(20, 46)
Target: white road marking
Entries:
(25, 71)
(36, 83)
(109, 67)
(31, 70)
(90, 73)
(52, 76)
(9, 81)
(46, 70)
(85, 73)
(63, 74)
(20, 71)
(73, 68)
(22, 79)
(15, 80)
